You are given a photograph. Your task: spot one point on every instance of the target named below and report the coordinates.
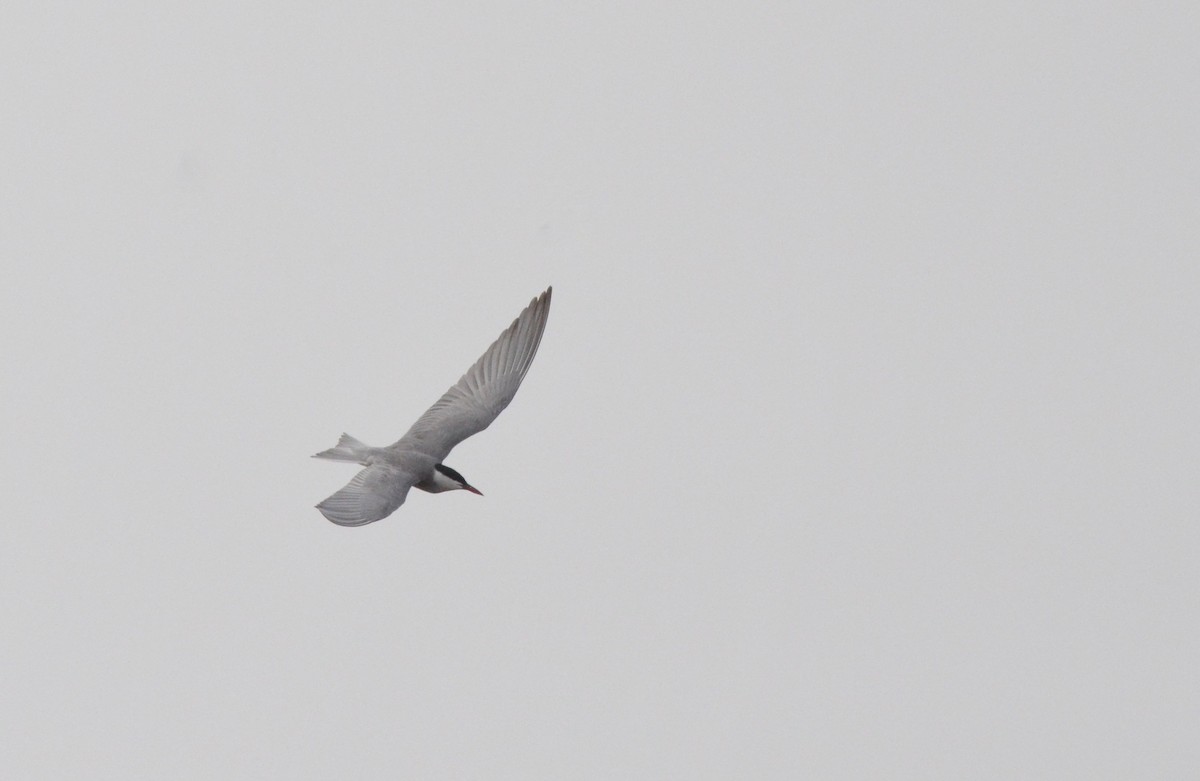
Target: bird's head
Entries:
(447, 479)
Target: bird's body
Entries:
(467, 408)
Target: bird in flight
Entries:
(467, 408)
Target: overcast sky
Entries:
(862, 442)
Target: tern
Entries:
(416, 459)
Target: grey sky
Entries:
(862, 442)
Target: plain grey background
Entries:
(862, 442)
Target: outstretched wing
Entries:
(485, 390)
(374, 493)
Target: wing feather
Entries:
(376, 492)
(485, 390)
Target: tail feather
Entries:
(348, 449)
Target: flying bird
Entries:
(467, 408)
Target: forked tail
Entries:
(348, 449)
